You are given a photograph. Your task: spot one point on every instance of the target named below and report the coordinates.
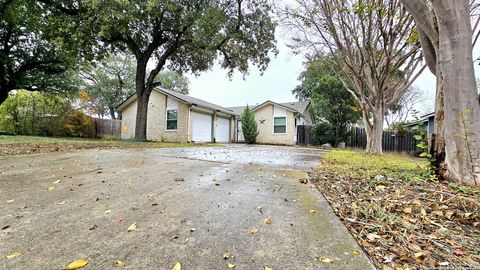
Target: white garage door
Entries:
(201, 127)
(222, 131)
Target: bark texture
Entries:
(446, 36)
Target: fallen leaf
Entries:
(449, 214)
(267, 221)
(177, 266)
(13, 255)
(312, 211)
(324, 259)
(373, 236)
(230, 265)
(254, 230)
(265, 267)
(407, 210)
(119, 263)
(132, 227)
(458, 252)
(226, 255)
(77, 264)
(356, 252)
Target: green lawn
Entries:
(360, 165)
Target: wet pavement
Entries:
(189, 205)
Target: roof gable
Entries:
(181, 98)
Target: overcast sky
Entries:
(277, 82)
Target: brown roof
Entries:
(298, 106)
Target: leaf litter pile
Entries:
(402, 218)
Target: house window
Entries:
(172, 114)
(280, 125)
(172, 117)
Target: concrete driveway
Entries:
(189, 205)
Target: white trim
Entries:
(286, 125)
(166, 114)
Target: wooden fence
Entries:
(108, 128)
(391, 141)
(304, 135)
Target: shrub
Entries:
(249, 126)
(323, 133)
(78, 124)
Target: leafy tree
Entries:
(181, 35)
(331, 101)
(107, 83)
(29, 56)
(373, 44)
(175, 81)
(249, 126)
(34, 113)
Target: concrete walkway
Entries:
(189, 205)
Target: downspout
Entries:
(188, 122)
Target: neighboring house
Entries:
(277, 122)
(427, 122)
(174, 117)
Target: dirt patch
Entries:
(400, 218)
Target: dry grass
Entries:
(20, 145)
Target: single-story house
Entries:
(277, 122)
(427, 122)
(174, 117)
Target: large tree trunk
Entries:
(438, 142)
(141, 120)
(112, 112)
(143, 96)
(462, 107)
(374, 130)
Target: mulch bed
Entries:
(406, 225)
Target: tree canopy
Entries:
(30, 58)
(183, 36)
(106, 83)
(333, 105)
(175, 81)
